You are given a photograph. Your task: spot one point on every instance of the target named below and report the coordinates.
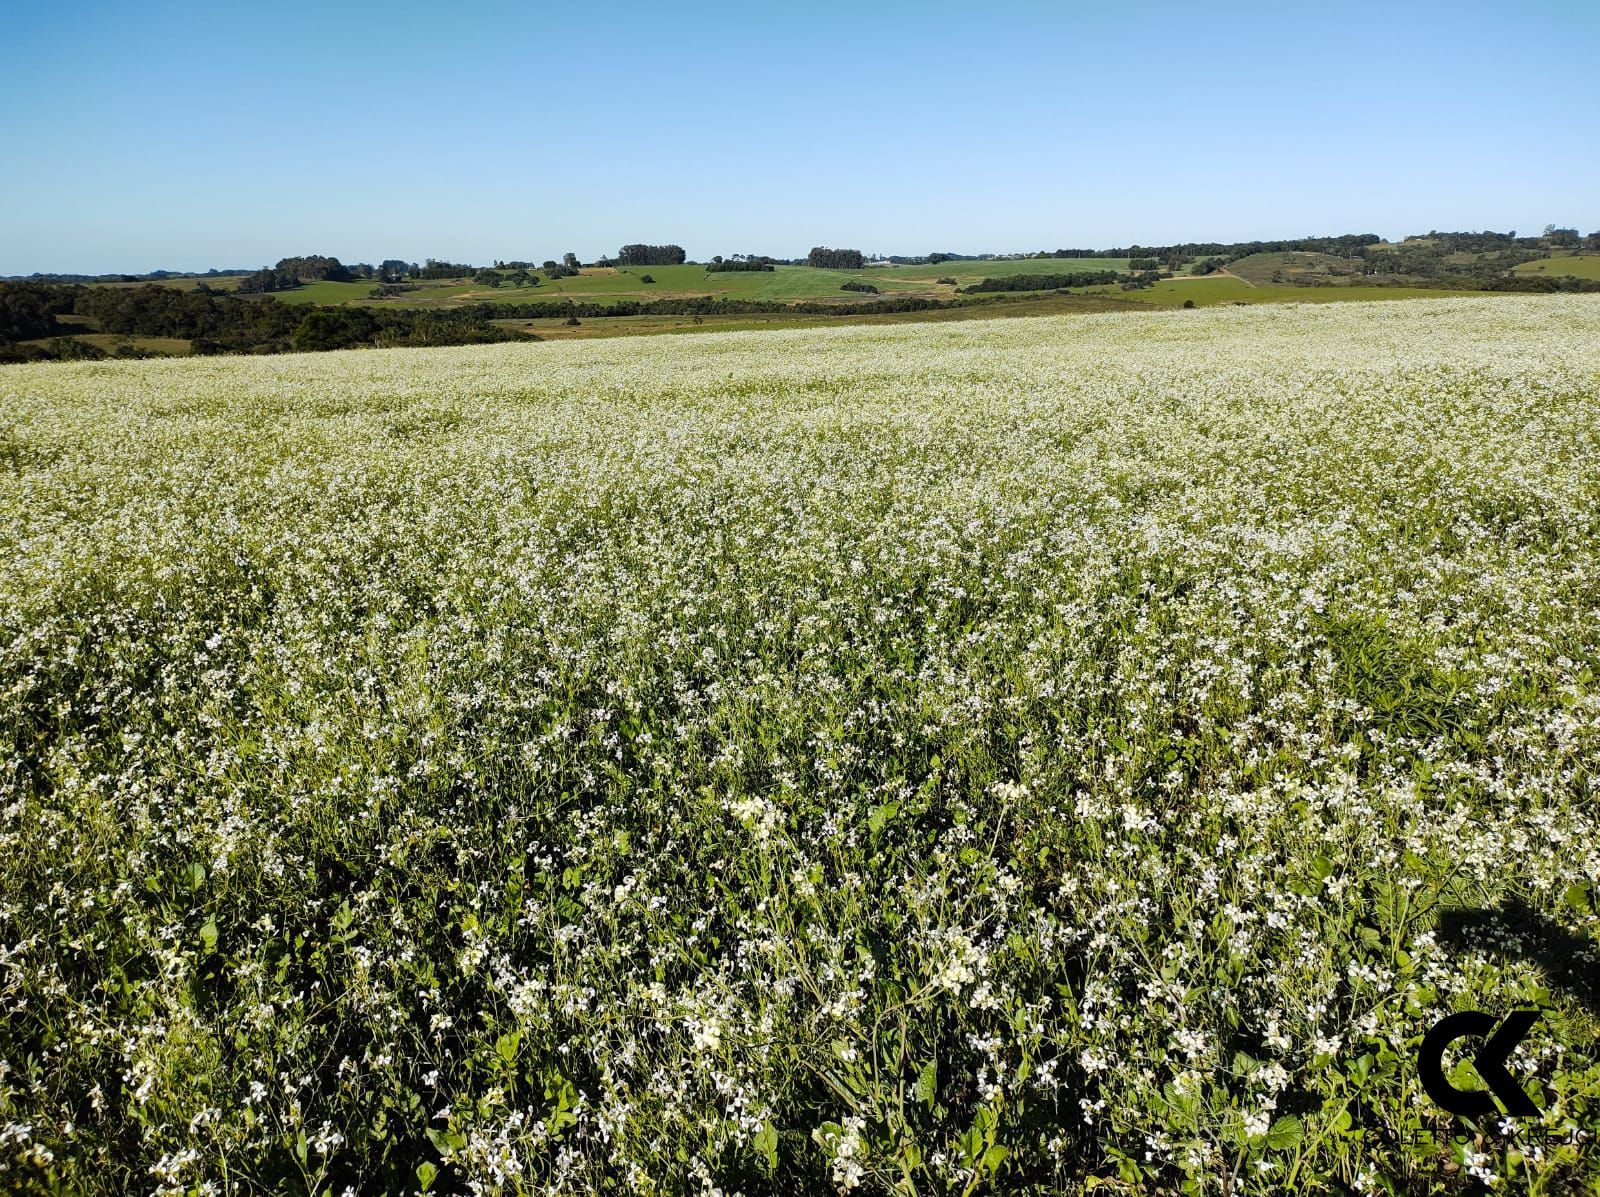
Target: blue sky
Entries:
(188, 135)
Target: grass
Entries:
(791, 284)
(114, 341)
(1211, 290)
(785, 284)
(1579, 265)
(325, 292)
(223, 283)
(975, 756)
(1045, 304)
(111, 342)
(1266, 268)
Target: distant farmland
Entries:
(783, 284)
(1575, 265)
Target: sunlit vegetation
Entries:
(992, 756)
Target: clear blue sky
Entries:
(189, 135)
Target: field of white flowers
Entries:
(1014, 756)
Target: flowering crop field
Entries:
(1020, 756)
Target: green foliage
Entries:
(334, 328)
(649, 255)
(739, 264)
(290, 273)
(225, 324)
(29, 309)
(1016, 756)
(1046, 282)
(824, 258)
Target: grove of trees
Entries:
(738, 263)
(219, 323)
(650, 255)
(28, 310)
(1046, 282)
(433, 268)
(293, 272)
(835, 259)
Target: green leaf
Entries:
(927, 1087)
(425, 1176)
(1286, 1134)
(208, 935)
(969, 1145)
(1580, 897)
(765, 1141)
(506, 1046)
(880, 817)
(993, 1158)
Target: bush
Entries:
(719, 265)
(334, 328)
(645, 278)
(864, 288)
(1046, 282)
(1188, 303)
(947, 279)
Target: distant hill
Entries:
(1293, 267)
(1564, 266)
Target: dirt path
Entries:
(1223, 270)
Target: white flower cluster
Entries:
(1038, 752)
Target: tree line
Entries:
(835, 259)
(739, 262)
(293, 272)
(707, 305)
(28, 310)
(215, 323)
(1046, 282)
(651, 255)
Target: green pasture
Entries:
(1211, 290)
(1263, 267)
(785, 284)
(1577, 265)
(225, 282)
